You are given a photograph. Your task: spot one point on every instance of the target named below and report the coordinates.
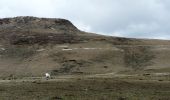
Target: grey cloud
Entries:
(129, 18)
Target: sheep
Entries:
(47, 76)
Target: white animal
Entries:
(47, 75)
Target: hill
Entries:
(31, 46)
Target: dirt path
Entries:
(74, 77)
(60, 78)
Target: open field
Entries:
(78, 87)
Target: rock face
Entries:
(36, 23)
(31, 30)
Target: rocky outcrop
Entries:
(30, 30)
(24, 23)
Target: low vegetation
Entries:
(86, 89)
(17, 52)
(138, 57)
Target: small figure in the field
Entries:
(47, 76)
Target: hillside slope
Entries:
(31, 46)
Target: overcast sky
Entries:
(125, 18)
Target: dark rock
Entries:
(56, 98)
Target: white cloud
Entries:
(82, 26)
(129, 18)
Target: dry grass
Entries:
(86, 89)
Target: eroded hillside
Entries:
(31, 46)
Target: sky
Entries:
(124, 18)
